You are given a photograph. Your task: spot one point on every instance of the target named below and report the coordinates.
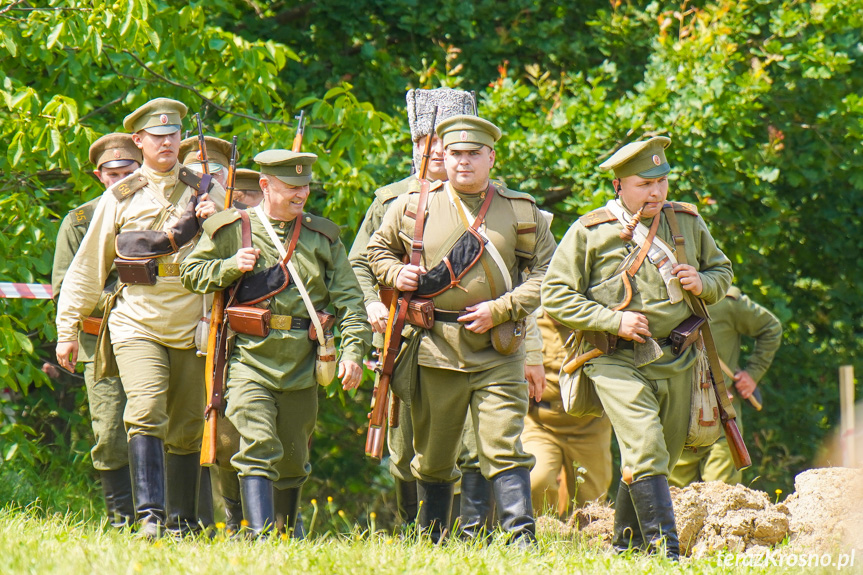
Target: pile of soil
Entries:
(826, 510)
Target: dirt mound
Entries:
(825, 509)
(596, 520)
(714, 516)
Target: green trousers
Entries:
(712, 463)
(400, 444)
(561, 442)
(227, 445)
(164, 393)
(275, 428)
(496, 400)
(107, 400)
(650, 416)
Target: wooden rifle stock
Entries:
(395, 324)
(214, 374)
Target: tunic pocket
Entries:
(609, 292)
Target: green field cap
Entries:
(218, 153)
(465, 132)
(158, 117)
(294, 168)
(645, 159)
(114, 150)
(247, 180)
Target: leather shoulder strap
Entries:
(596, 217)
(245, 228)
(420, 223)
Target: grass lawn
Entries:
(33, 543)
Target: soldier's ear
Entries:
(491, 157)
(139, 143)
(616, 183)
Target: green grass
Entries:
(31, 542)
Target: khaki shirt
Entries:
(285, 359)
(737, 316)
(450, 345)
(165, 312)
(582, 285)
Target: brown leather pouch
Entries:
(327, 321)
(137, 272)
(604, 342)
(420, 310)
(249, 320)
(91, 325)
(685, 334)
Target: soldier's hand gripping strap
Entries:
(265, 284)
(153, 243)
(464, 254)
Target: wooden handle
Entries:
(739, 453)
(208, 443)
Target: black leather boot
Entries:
(230, 484)
(406, 500)
(477, 506)
(233, 514)
(514, 508)
(147, 462)
(627, 532)
(287, 505)
(183, 472)
(435, 506)
(206, 510)
(652, 500)
(258, 504)
(117, 487)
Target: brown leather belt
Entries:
(630, 344)
(448, 316)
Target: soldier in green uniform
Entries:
(647, 399)
(460, 371)
(114, 157)
(271, 391)
(560, 441)
(731, 319)
(420, 107)
(151, 319)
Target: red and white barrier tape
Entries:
(26, 291)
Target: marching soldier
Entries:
(218, 157)
(471, 360)
(560, 441)
(271, 390)
(627, 303)
(247, 189)
(731, 319)
(148, 222)
(115, 157)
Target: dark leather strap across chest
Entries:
(255, 288)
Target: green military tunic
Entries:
(560, 441)
(731, 319)
(648, 406)
(460, 371)
(105, 397)
(272, 395)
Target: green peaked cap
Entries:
(645, 159)
(464, 132)
(294, 168)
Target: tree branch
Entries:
(116, 100)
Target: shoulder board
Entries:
(82, 215)
(192, 179)
(128, 186)
(322, 226)
(734, 292)
(218, 221)
(685, 208)
(596, 217)
(512, 194)
(394, 190)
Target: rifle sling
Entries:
(698, 307)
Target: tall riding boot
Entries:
(406, 500)
(627, 533)
(435, 506)
(652, 500)
(287, 505)
(117, 486)
(147, 462)
(206, 510)
(184, 472)
(258, 504)
(476, 506)
(512, 496)
(230, 484)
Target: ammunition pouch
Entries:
(507, 337)
(91, 325)
(420, 311)
(249, 320)
(143, 244)
(255, 288)
(137, 272)
(685, 334)
(464, 254)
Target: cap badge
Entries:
(656, 159)
(463, 136)
(299, 168)
(117, 154)
(163, 118)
